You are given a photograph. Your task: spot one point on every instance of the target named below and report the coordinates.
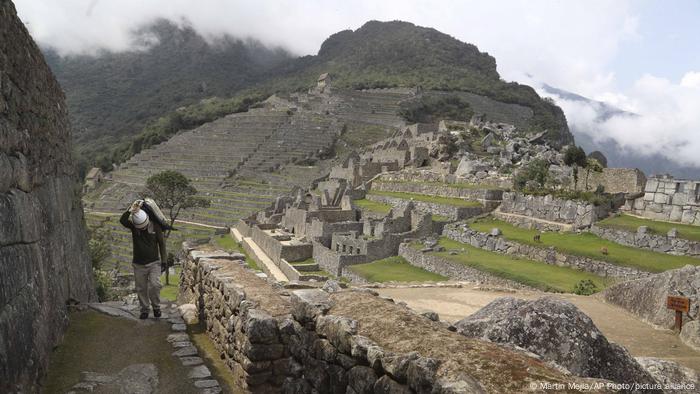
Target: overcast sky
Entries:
(642, 55)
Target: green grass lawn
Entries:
(589, 245)
(372, 206)
(440, 218)
(169, 292)
(630, 223)
(532, 273)
(229, 244)
(394, 269)
(455, 202)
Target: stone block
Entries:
(362, 379)
(260, 327)
(307, 304)
(339, 331)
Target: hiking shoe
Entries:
(143, 315)
(156, 313)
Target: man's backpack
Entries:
(155, 214)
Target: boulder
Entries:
(189, 313)
(495, 232)
(558, 332)
(331, 286)
(682, 379)
(690, 334)
(646, 297)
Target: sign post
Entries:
(680, 305)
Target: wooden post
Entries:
(680, 305)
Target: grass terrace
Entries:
(467, 186)
(630, 223)
(169, 292)
(589, 245)
(229, 244)
(373, 206)
(455, 202)
(542, 276)
(395, 269)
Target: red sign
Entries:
(680, 304)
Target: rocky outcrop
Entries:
(558, 332)
(43, 257)
(646, 297)
(673, 378)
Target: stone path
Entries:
(618, 325)
(144, 378)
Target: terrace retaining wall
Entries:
(451, 212)
(575, 213)
(489, 198)
(453, 270)
(462, 233)
(645, 240)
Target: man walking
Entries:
(149, 254)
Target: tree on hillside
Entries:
(575, 156)
(173, 192)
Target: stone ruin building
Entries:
(668, 199)
(329, 229)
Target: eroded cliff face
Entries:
(43, 249)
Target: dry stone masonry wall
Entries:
(643, 239)
(315, 341)
(548, 208)
(43, 256)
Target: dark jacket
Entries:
(146, 245)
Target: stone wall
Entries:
(43, 247)
(274, 341)
(490, 198)
(462, 233)
(332, 262)
(452, 270)
(668, 199)
(645, 240)
(575, 213)
(449, 211)
(615, 180)
(278, 250)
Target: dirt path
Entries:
(618, 325)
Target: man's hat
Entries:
(139, 219)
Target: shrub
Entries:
(585, 287)
(575, 155)
(535, 172)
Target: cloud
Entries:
(570, 45)
(667, 120)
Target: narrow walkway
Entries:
(265, 262)
(113, 351)
(618, 325)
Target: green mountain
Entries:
(114, 96)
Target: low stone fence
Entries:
(277, 341)
(453, 270)
(645, 240)
(575, 213)
(449, 211)
(462, 233)
(489, 198)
